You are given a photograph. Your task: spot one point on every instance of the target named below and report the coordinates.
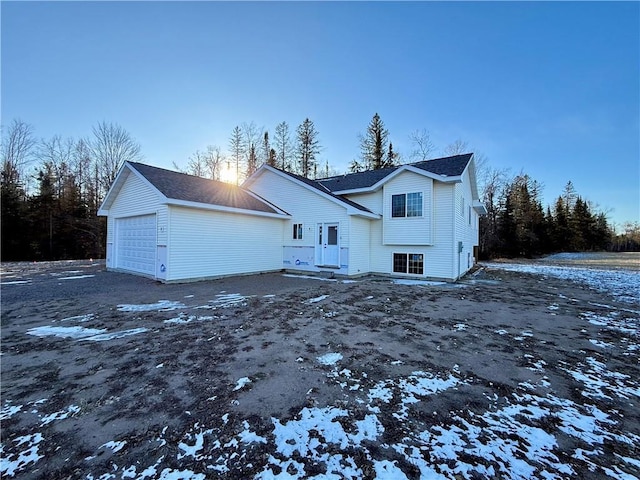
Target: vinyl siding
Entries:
(134, 198)
(440, 263)
(438, 260)
(306, 207)
(408, 230)
(465, 232)
(360, 248)
(372, 201)
(207, 244)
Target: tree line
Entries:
(250, 146)
(517, 225)
(51, 189)
(49, 212)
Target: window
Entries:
(469, 214)
(462, 207)
(412, 263)
(398, 205)
(406, 205)
(297, 231)
(400, 262)
(414, 204)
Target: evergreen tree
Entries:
(561, 233)
(308, 148)
(266, 148)
(273, 158)
(252, 161)
(374, 145)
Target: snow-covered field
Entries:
(506, 376)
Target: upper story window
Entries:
(406, 205)
(297, 231)
(462, 207)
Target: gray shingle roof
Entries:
(448, 166)
(180, 186)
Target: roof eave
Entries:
(403, 168)
(479, 207)
(359, 213)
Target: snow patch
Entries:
(317, 299)
(10, 464)
(241, 383)
(76, 277)
(329, 358)
(162, 305)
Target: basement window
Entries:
(412, 263)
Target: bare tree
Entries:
(215, 161)
(82, 165)
(17, 149)
(456, 148)
(251, 137)
(421, 144)
(282, 145)
(197, 164)
(111, 146)
(58, 154)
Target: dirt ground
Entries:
(200, 384)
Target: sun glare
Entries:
(229, 174)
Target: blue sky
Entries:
(551, 89)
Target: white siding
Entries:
(465, 231)
(372, 201)
(408, 230)
(440, 262)
(438, 257)
(360, 248)
(206, 244)
(306, 207)
(135, 198)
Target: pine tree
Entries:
(391, 156)
(252, 161)
(308, 148)
(266, 148)
(374, 145)
(273, 158)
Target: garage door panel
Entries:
(136, 244)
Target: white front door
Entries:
(328, 245)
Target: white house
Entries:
(418, 220)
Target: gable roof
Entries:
(319, 186)
(189, 190)
(444, 167)
(352, 207)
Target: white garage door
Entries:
(136, 244)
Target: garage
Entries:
(136, 244)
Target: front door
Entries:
(328, 245)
